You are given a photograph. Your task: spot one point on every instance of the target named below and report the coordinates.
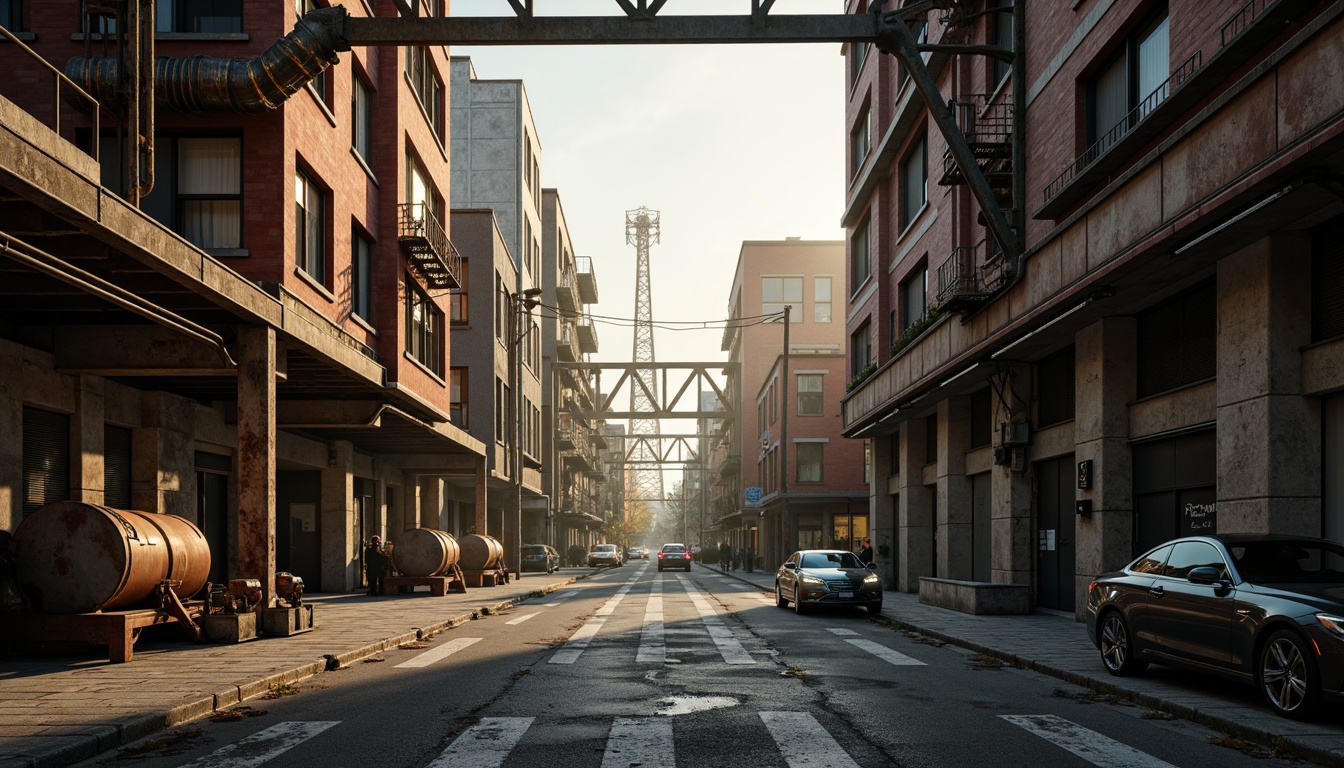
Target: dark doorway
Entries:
(1175, 488)
(298, 506)
(212, 510)
(1055, 548)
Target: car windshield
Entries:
(831, 560)
(672, 548)
(605, 548)
(1286, 561)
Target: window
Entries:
(425, 83)
(361, 284)
(809, 458)
(502, 303)
(200, 16)
(116, 467)
(914, 183)
(1130, 86)
(1189, 555)
(501, 410)
(921, 37)
(198, 189)
(321, 84)
(46, 458)
(457, 298)
(310, 228)
(931, 439)
(11, 16)
(778, 291)
(982, 417)
(361, 116)
(860, 256)
(858, 54)
(861, 348)
(809, 394)
(914, 296)
(1177, 342)
(821, 300)
(1001, 36)
(1055, 398)
(424, 328)
(861, 140)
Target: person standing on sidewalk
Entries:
(375, 565)
(866, 552)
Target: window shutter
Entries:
(1177, 341)
(46, 458)
(117, 467)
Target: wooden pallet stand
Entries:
(438, 585)
(118, 630)
(490, 578)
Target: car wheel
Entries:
(779, 597)
(798, 606)
(875, 607)
(1288, 676)
(1117, 649)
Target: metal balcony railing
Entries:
(587, 334)
(1136, 115)
(967, 278)
(427, 246)
(566, 347)
(567, 292)
(1243, 18)
(988, 129)
(63, 87)
(587, 280)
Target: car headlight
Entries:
(813, 581)
(1334, 624)
(872, 579)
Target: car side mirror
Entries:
(791, 566)
(1206, 574)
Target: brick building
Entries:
(1163, 355)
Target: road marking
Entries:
(804, 743)
(639, 741)
(841, 631)
(614, 601)
(1087, 744)
(559, 596)
(573, 648)
(263, 746)
(484, 745)
(440, 653)
(886, 654)
(652, 646)
(522, 618)
(729, 647)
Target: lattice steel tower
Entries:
(642, 230)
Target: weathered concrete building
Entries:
(261, 346)
(1163, 356)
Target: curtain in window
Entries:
(210, 167)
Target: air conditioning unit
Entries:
(1018, 460)
(1014, 433)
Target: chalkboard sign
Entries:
(1199, 519)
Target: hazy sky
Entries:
(728, 142)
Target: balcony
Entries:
(566, 347)
(567, 292)
(587, 335)
(587, 281)
(426, 245)
(966, 279)
(988, 128)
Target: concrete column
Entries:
(256, 456)
(381, 525)
(914, 510)
(828, 527)
(88, 477)
(340, 521)
(411, 503)
(954, 489)
(431, 504)
(1269, 435)
(482, 484)
(882, 495)
(1104, 384)
(163, 459)
(1012, 560)
(11, 424)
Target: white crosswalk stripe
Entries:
(729, 647)
(652, 645)
(1087, 744)
(886, 654)
(842, 631)
(484, 745)
(439, 654)
(574, 647)
(522, 618)
(804, 742)
(639, 741)
(560, 597)
(262, 746)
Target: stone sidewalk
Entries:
(59, 710)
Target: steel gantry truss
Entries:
(643, 228)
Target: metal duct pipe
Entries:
(212, 84)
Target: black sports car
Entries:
(1267, 610)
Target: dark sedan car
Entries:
(540, 557)
(1265, 610)
(827, 577)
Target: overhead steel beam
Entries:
(612, 30)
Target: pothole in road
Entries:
(686, 705)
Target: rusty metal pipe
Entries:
(212, 84)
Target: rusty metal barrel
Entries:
(76, 557)
(425, 552)
(480, 553)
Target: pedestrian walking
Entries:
(866, 552)
(375, 565)
(725, 555)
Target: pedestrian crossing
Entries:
(801, 741)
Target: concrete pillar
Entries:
(11, 424)
(914, 509)
(87, 478)
(955, 546)
(482, 484)
(882, 495)
(411, 503)
(1269, 435)
(1012, 560)
(163, 458)
(1104, 385)
(431, 504)
(828, 527)
(340, 520)
(256, 456)
(381, 527)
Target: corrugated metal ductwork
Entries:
(211, 84)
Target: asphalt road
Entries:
(635, 667)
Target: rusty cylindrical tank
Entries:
(480, 553)
(76, 557)
(425, 552)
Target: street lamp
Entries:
(524, 303)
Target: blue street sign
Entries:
(753, 495)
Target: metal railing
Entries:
(60, 81)
(425, 241)
(967, 277)
(1242, 19)
(1136, 115)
